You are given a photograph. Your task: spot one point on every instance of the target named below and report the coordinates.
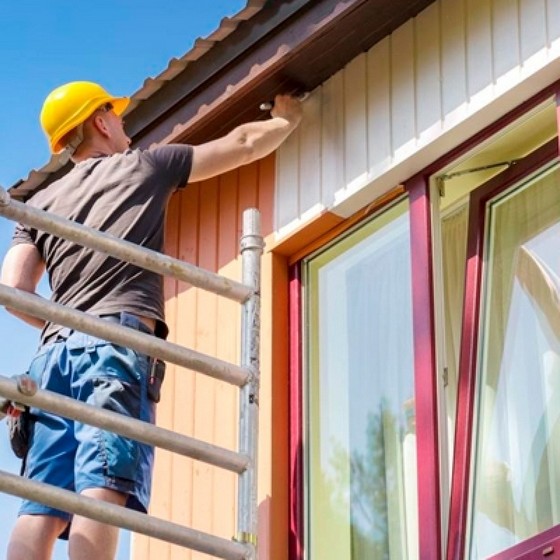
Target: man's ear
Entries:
(100, 125)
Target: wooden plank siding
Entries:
(204, 225)
(431, 84)
(434, 82)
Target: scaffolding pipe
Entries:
(112, 514)
(246, 376)
(252, 246)
(125, 426)
(125, 336)
(121, 249)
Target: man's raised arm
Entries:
(247, 142)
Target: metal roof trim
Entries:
(294, 45)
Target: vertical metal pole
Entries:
(252, 246)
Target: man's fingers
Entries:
(269, 105)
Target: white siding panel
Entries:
(428, 75)
(332, 162)
(379, 106)
(403, 109)
(532, 15)
(434, 82)
(288, 185)
(505, 28)
(453, 59)
(310, 144)
(479, 47)
(355, 122)
(553, 21)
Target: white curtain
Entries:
(362, 447)
(454, 248)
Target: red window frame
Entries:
(429, 499)
(297, 522)
(469, 341)
(425, 386)
(459, 506)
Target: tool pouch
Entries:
(155, 379)
(19, 427)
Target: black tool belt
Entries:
(19, 427)
(156, 375)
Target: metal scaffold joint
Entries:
(26, 385)
(249, 540)
(251, 242)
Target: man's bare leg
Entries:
(33, 537)
(91, 540)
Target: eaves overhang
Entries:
(270, 47)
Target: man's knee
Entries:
(93, 540)
(33, 537)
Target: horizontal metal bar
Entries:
(127, 519)
(124, 250)
(126, 426)
(125, 336)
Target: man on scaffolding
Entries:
(123, 192)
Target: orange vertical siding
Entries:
(203, 227)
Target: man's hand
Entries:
(287, 107)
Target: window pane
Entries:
(517, 461)
(361, 452)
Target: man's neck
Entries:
(90, 154)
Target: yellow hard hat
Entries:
(71, 104)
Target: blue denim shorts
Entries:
(75, 456)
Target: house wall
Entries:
(433, 83)
(203, 228)
(436, 81)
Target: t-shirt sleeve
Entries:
(22, 234)
(173, 162)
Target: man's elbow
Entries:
(17, 283)
(9, 283)
(246, 148)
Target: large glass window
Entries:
(452, 188)
(457, 256)
(361, 447)
(517, 448)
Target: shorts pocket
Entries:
(109, 377)
(120, 454)
(39, 366)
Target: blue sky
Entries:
(42, 45)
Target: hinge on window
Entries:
(445, 377)
(441, 185)
(440, 180)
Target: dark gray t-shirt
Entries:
(125, 195)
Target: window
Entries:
(430, 351)
(517, 456)
(453, 187)
(501, 346)
(359, 388)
